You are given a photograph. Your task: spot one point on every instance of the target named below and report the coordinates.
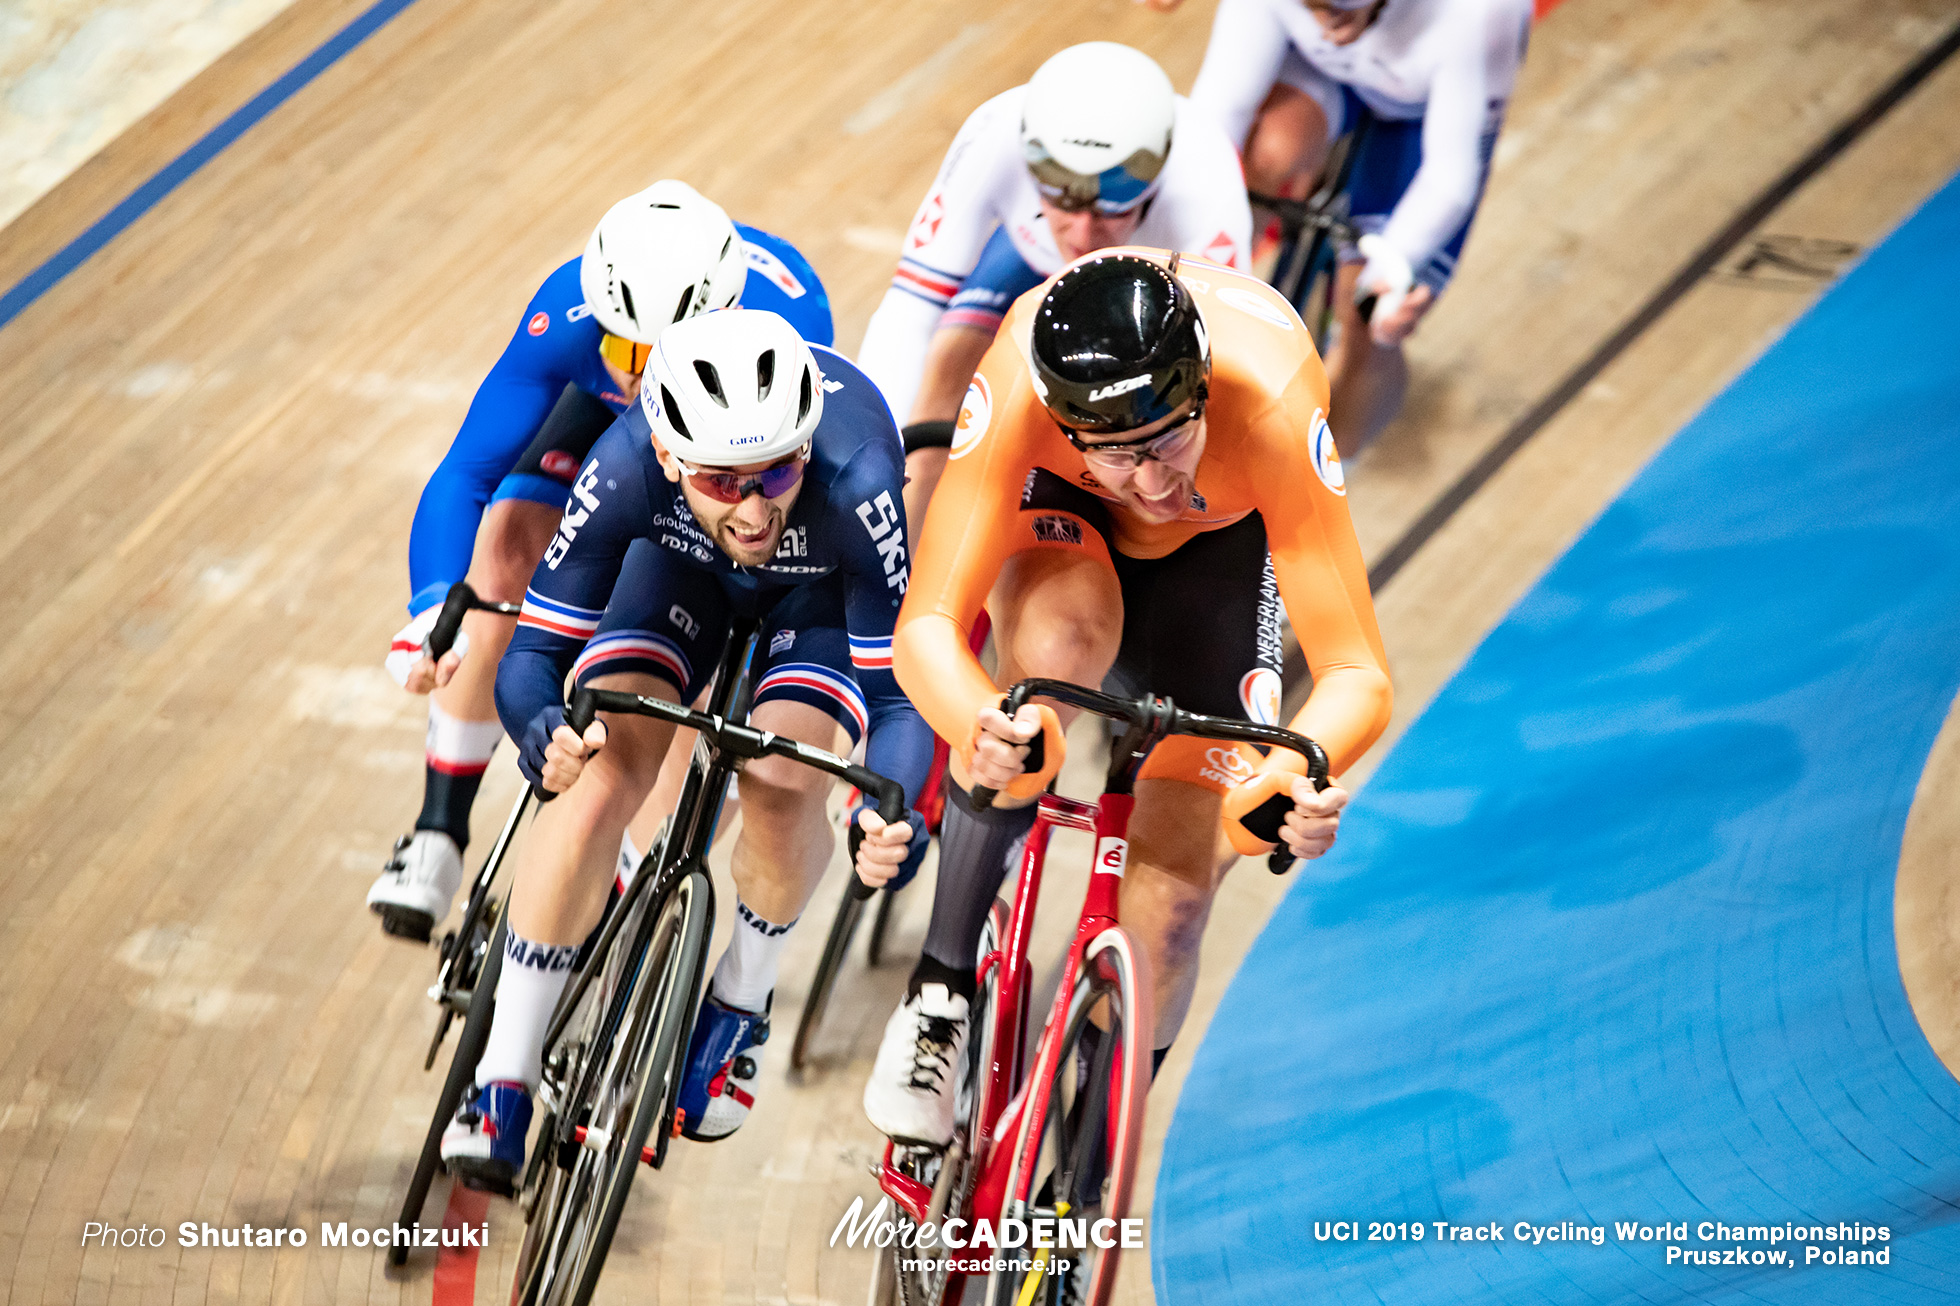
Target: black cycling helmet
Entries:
(1118, 344)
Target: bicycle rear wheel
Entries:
(462, 1074)
(597, 1142)
(837, 944)
(1076, 1150)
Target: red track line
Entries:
(455, 1283)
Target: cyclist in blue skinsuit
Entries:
(488, 511)
(754, 476)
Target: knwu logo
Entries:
(1225, 766)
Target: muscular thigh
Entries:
(1057, 610)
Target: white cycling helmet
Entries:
(664, 254)
(1096, 127)
(725, 389)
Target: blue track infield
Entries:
(1609, 936)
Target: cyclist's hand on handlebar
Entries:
(1311, 826)
(1000, 744)
(408, 660)
(566, 755)
(884, 849)
(1393, 300)
(551, 754)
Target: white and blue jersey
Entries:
(632, 583)
(557, 346)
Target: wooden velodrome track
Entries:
(217, 428)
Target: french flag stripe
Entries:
(821, 680)
(639, 646)
(558, 618)
(871, 653)
(933, 286)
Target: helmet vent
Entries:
(765, 373)
(804, 395)
(687, 299)
(626, 295)
(673, 411)
(710, 381)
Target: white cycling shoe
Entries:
(910, 1096)
(417, 884)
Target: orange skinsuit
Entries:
(1265, 416)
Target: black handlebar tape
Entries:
(891, 809)
(583, 711)
(1017, 698)
(928, 435)
(442, 636)
(1365, 305)
(1279, 861)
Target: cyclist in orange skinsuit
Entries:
(1145, 559)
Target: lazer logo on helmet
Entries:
(1094, 145)
(1115, 388)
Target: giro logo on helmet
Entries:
(1119, 388)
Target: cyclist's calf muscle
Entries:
(1168, 887)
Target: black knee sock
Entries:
(446, 803)
(973, 848)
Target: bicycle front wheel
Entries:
(598, 1140)
(1076, 1150)
(838, 943)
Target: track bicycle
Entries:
(1312, 233)
(617, 1041)
(1049, 1134)
(470, 956)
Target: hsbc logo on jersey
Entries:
(1115, 388)
(926, 225)
(1112, 856)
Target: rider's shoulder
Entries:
(856, 436)
(557, 316)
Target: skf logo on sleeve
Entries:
(880, 517)
(1326, 458)
(578, 510)
(976, 412)
(1112, 856)
(540, 320)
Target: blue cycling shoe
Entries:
(722, 1067)
(484, 1145)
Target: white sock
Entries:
(457, 746)
(747, 971)
(629, 860)
(533, 980)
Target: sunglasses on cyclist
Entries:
(1120, 456)
(629, 356)
(733, 487)
(1112, 192)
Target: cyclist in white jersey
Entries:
(1433, 78)
(1096, 150)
